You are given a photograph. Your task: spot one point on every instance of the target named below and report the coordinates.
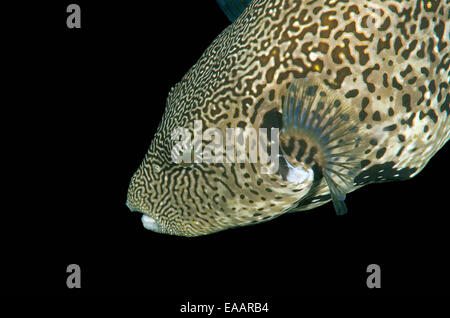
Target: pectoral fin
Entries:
(320, 127)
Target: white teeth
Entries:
(149, 223)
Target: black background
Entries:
(97, 94)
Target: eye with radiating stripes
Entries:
(156, 168)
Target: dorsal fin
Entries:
(233, 8)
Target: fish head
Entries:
(150, 191)
(172, 195)
(202, 198)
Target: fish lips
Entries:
(150, 223)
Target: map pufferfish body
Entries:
(358, 89)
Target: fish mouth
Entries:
(150, 223)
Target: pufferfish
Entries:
(358, 90)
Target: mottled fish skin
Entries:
(389, 59)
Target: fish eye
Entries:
(156, 168)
